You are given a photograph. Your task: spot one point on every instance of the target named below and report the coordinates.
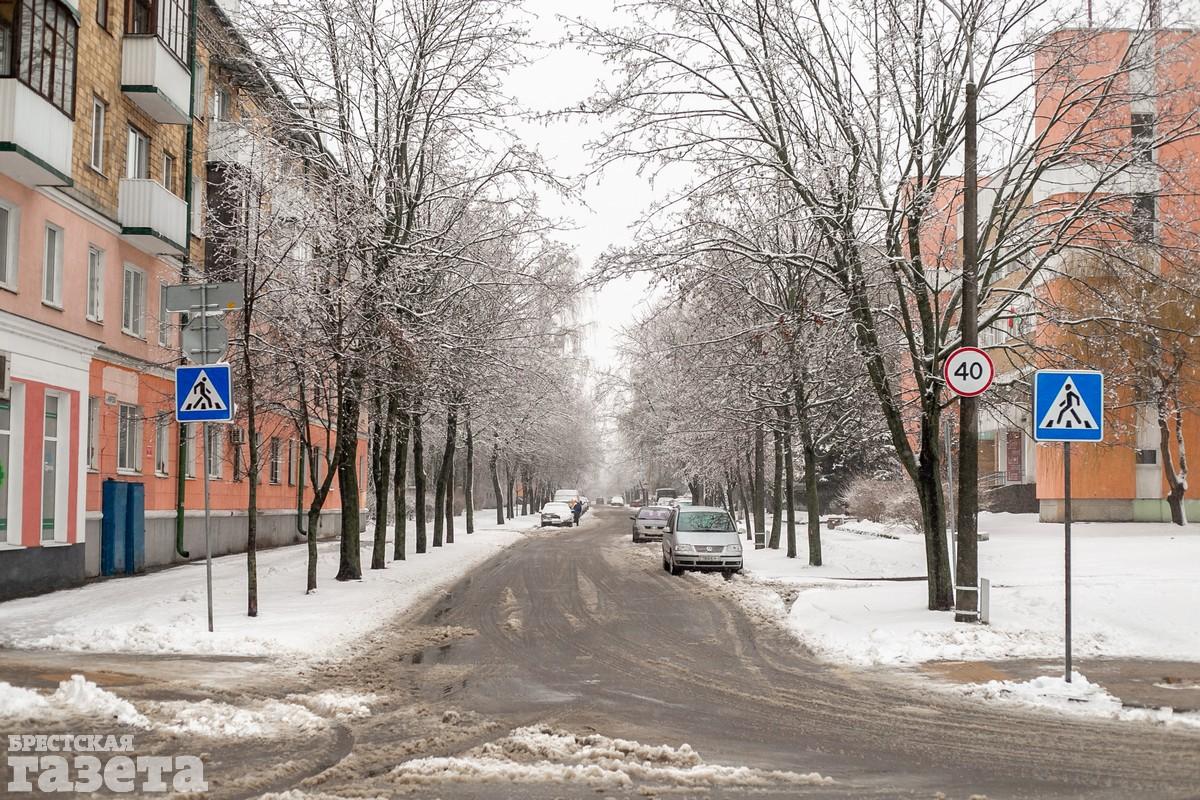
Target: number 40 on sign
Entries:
(969, 371)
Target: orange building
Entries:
(95, 222)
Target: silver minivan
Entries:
(701, 538)
(649, 522)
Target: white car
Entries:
(617, 501)
(557, 514)
(701, 538)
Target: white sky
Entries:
(561, 78)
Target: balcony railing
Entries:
(151, 217)
(230, 143)
(154, 79)
(35, 137)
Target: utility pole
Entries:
(966, 591)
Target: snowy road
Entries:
(593, 673)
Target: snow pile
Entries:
(546, 755)
(163, 612)
(854, 610)
(1080, 697)
(76, 696)
(221, 720)
(19, 703)
(337, 703)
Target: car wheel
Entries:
(676, 570)
(666, 566)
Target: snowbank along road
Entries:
(571, 665)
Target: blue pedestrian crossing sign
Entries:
(1068, 406)
(203, 393)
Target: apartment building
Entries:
(1142, 119)
(96, 101)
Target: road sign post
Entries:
(1068, 406)
(204, 393)
(969, 372)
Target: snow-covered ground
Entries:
(77, 697)
(165, 612)
(1135, 593)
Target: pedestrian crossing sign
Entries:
(203, 393)
(1068, 406)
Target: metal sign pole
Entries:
(951, 519)
(204, 467)
(1067, 548)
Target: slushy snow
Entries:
(76, 696)
(1080, 696)
(546, 755)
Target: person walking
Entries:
(577, 510)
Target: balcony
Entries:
(152, 219)
(154, 79)
(230, 143)
(35, 137)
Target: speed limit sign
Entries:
(969, 371)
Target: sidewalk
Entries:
(1137, 683)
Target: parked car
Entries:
(583, 498)
(701, 538)
(566, 495)
(617, 500)
(680, 502)
(649, 522)
(557, 514)
(665, 493)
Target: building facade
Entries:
(96, 219)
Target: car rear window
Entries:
(653, 513)
(714, 521)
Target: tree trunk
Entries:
(760, 478)
(419, 479)
(777, 498)
(510, 478)
(252, 494)
(345, 457)
(933, 517)
(747, 492)
(812, 499)
(381, 474)
(400, 488)
(448, 471)
(789, 468)
(1176, 479)
(469, 478)
(493, 463)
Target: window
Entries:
(189, 451)
(168, 173)
(215, 452)
(37, 46)
(291, 463)
(137, 155)
(98, 113)
(129, 438)
(222, 103)
(50, 470)
(93, 433)
(1146, 456)
(162, 445)
(166, 19)
(1141, 131)
(102, 13)
(133, 302)
(95, 284)
(8, 246)
(52, 267)
(276, 460)
(6, 426)
(164, 317)
(1143, 218)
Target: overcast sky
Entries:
(560, 78)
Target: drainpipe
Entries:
(189, 153)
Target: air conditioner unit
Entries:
(5, 378)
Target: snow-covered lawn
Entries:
(165, 612)
(1135, 594)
